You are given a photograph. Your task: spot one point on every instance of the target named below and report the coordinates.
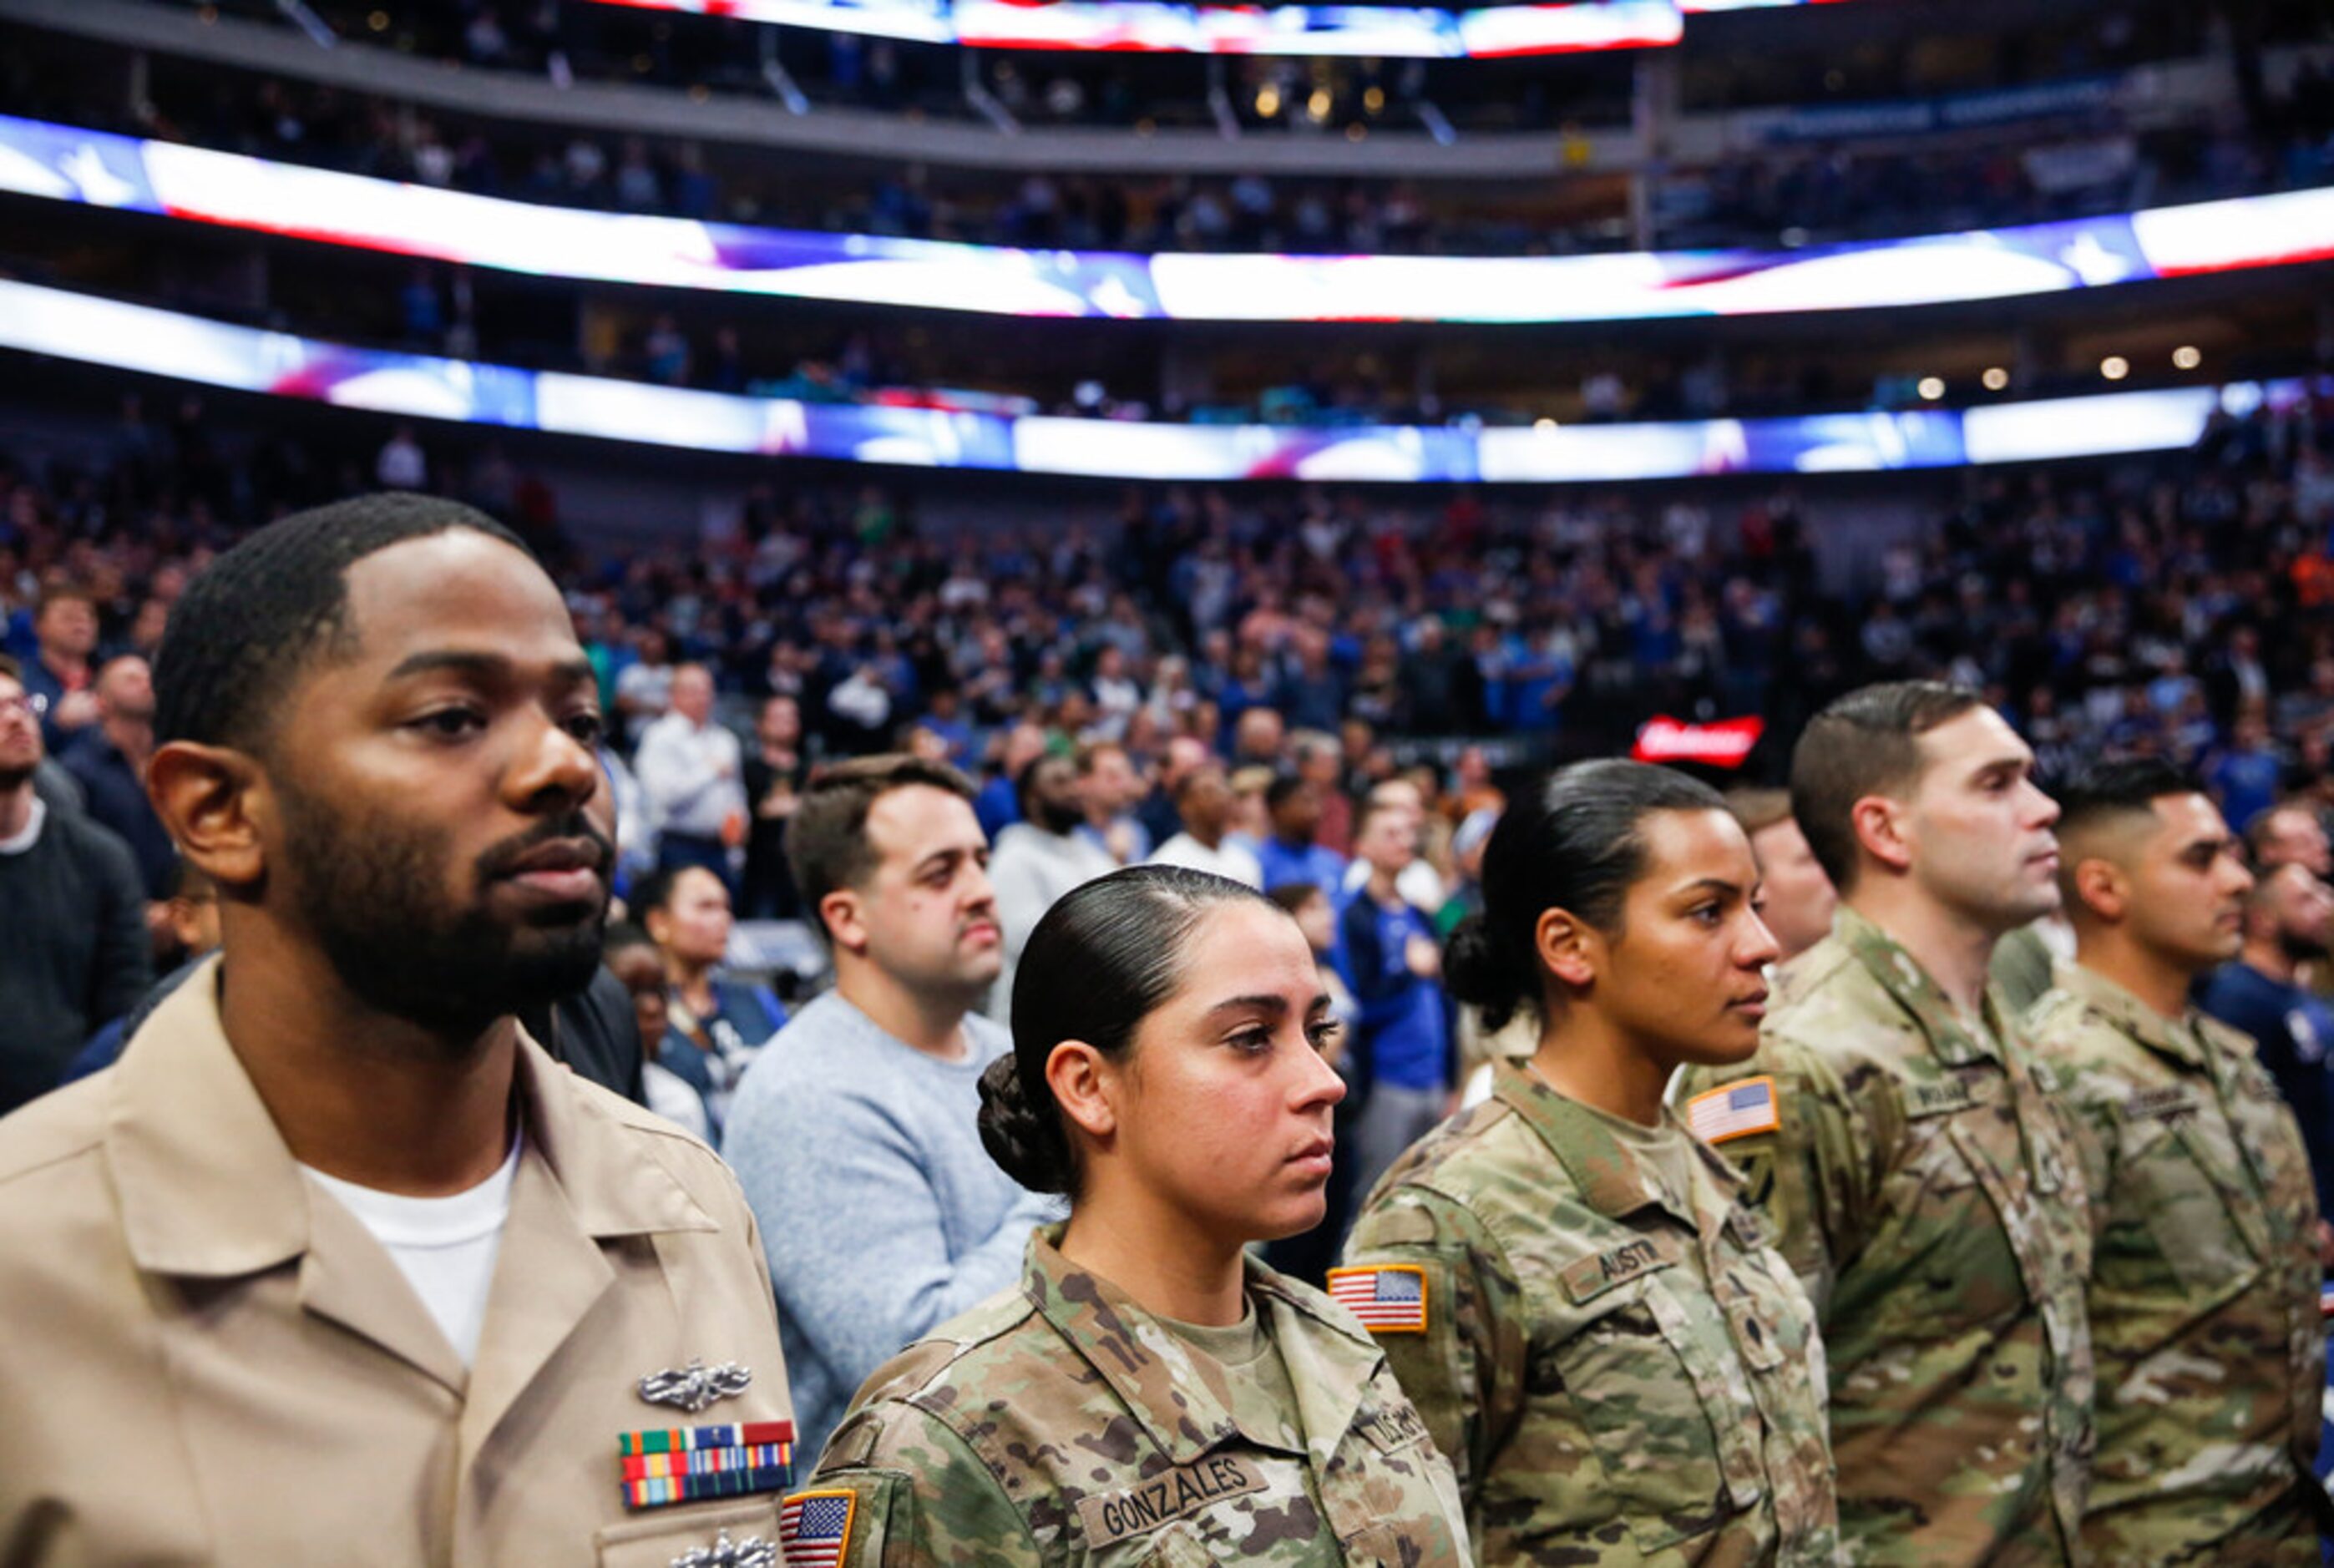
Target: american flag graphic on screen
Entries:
(814, 1528)
(1390, 1298)
(1737, 1111)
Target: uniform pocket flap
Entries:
(694, 1537)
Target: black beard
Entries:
(1059, 819)
(13, 777)
(365, 890)
(2299, 949)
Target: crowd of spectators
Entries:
(1303, 655)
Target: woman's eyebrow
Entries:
(1262, 1001)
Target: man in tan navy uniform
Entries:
(336, 1265)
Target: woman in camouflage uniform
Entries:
(1619, 1367)
(1149, 1394)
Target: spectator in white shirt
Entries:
(1203, 799)
(691, 774)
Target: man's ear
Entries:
(1570, 946)
(215, 803)
(2102, 887)
(1085, 1087)
(845, 926)
(1879, 828)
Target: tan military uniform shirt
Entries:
(1620, 1368)
(207, 1361)
(1062, 1424)
(2204, 1294)
(1929, 1195)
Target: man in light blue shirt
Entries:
(856, 1133)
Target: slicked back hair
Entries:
(253, 621)
(1866, 743)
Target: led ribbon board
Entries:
(202, 186)
(1157, 27)
(79, 327)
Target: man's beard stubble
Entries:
(366, 890)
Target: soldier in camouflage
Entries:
(1620, 1368)
(1148, 1394)
(2203, 1292)
(1916, 1174)
(1063, 1423)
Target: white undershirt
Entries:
(25, 837)
(445, 1247)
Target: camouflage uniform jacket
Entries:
(1930, 1196)
(1621, 1373)
(2203, 1292)
(1060, 1423)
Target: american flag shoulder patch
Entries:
(815, 1527)
(1735, 1110)
(1390, 1298)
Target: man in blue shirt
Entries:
(1291, 853)
(1401, 1062)
(2286, 924)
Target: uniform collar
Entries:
(1180, 1399)
(2193, 1039)
(1909, 985)
(1610, 1177)
(2175, 1038)
(208, 1187)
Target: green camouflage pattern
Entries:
(2019, 971)
(1929, 1195)
(1622, 1373)
(2204, 1293)
(1059, 1423)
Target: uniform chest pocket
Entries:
(2171, 1229)
(1628, 1377)
(1944, 1260)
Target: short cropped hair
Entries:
(1866, 743)
(826, 842)
(2112, 789)
(1282, 787)
(253, 621)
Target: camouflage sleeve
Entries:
(1814, 1170)
(1464, 1370)
(904, 1491)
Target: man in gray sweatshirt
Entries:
(854, 1132)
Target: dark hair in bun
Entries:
(1574, 842)
(1101, 960)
